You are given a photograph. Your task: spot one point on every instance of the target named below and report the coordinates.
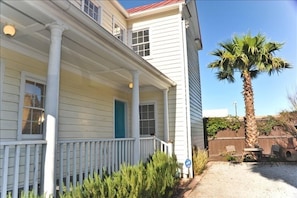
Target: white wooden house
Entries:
(86, 85)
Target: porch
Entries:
(22, 162)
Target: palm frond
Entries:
(277, 65)
(254, 73)
(225, 75)
(217, 52)
(271, 47)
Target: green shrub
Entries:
(200, 159)
(160, 175)
(131, 180)
(214, 125)
(267, 124)
(30, 194)
(156, 179)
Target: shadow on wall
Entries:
(286, 150)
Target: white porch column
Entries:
(135, 116)
(166, 122)
(51, 108)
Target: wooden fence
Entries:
(276, 139)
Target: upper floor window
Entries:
(91, 9)
(140, 42)
(118, 32)
(32, 104)
(147, 119)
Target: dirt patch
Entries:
(245, 180)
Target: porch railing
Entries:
(149, 145)
(76, 159)
(21, 166)
(79, 158)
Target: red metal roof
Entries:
(153, 5)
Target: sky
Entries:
(219, 21)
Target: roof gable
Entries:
(153, 5)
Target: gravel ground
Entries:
(246, 180)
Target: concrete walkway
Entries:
(246, 180)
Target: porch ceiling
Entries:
(87, 48)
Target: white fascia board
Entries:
(192, 7)
(154, 11)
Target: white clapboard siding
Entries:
(108, 14)
(195, 94)
(84, 111)
(14, 64)
(167, 55)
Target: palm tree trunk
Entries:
(251, 131)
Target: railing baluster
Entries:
(61, 168)
(5, 171)
(16, 171)
(100, 158)
(96, 156)
(87, 159)
(91, 158)
(104, 155)
(35, 174)
(108, 156)
(27, 169)
(80, 164)
(128, 154)
(68, 173)
(112, 155)
(74, 180)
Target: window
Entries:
(147, 119)
(33, 103)
(91, 9)
(118, 32)
(140, 42)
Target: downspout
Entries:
(187, 97)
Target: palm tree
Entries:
(250, 56)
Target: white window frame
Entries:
(98, 20)
(114, 31)
(155, 118)
(35, 78)
(141, 45)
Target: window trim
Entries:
(115, 22)
(149, 42)
(36, 78)
(155, 115)
(87, 13)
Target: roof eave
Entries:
(154, 11)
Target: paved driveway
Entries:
(247, 180)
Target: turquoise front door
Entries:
(120, 120)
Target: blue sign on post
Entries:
(188, 163)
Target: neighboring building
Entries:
(66, 107)
(211, 113)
